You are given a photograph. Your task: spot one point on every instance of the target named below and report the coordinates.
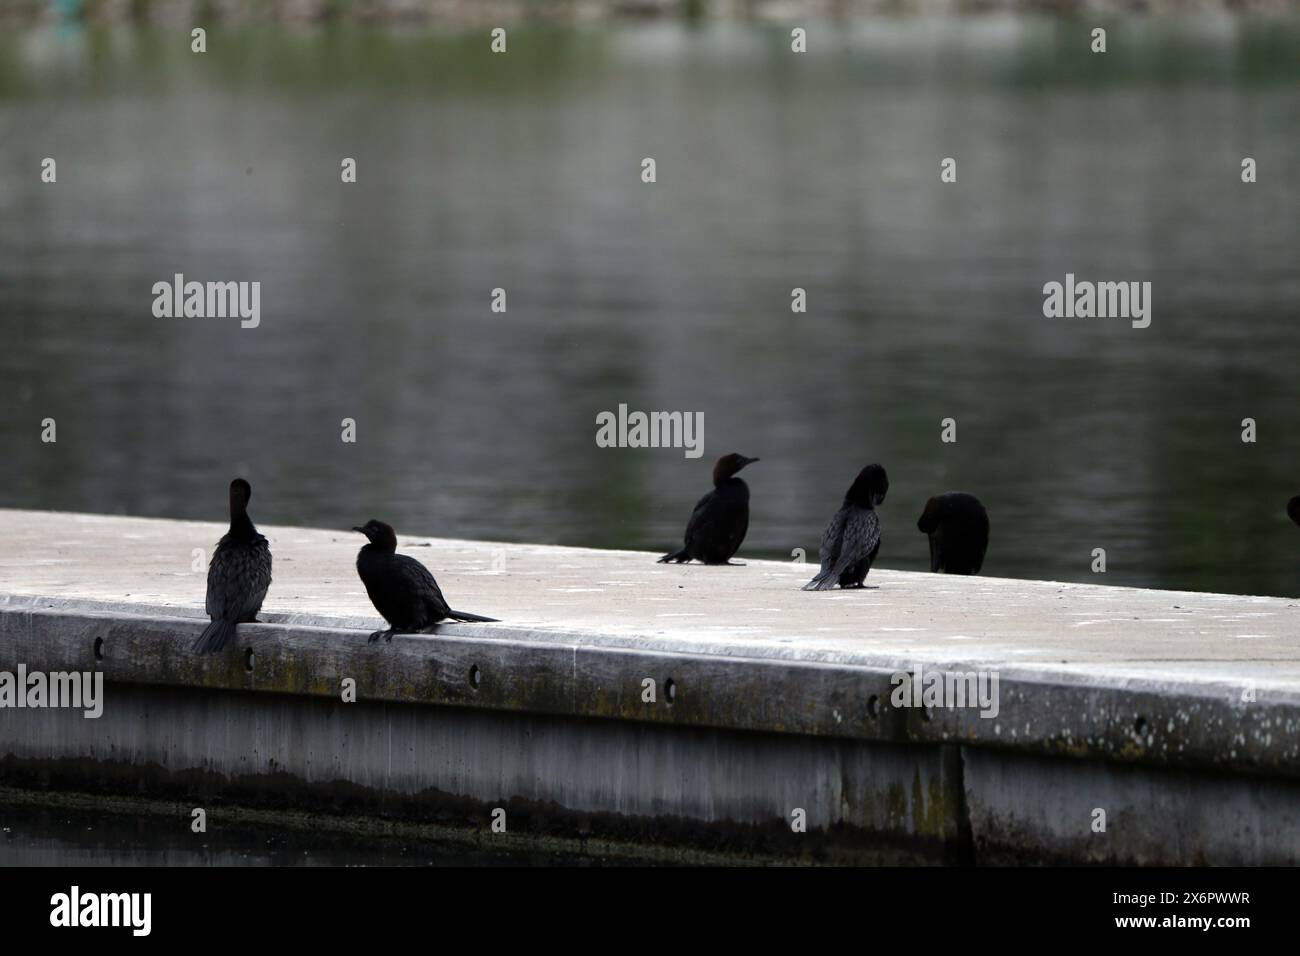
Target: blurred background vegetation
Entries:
(512, 11)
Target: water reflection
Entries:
(775, 171)
(50, 836)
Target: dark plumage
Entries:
(401, 588)
(1293, 509)
(720, 519)
(238, 576)
(852, 539)
(958, 527)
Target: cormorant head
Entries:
(1293, 509)
(727, 466)
(869, 488)
(240, 492)
(380, 534)
(929, 520)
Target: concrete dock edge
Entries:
(556, 733)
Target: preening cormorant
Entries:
(852, 539)
(958, 528)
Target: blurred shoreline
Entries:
(471, 12)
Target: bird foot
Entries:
(386, 635)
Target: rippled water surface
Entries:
(775, 171)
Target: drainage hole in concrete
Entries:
(670, 690)
(1140, 726)
(475, 676)
(99, 648)
(249, 660)
(873, 706)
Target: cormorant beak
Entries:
(362, 530)
(747, 461)
(880, 500)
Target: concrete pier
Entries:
(1172, 717)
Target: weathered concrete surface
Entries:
(707, 789)
(1097, 647)
(622, 598)
(780, 698)
(1032, 808)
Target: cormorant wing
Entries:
(703, 517)
(238, 578)
(850, 537)
(218, 584)
(417, 579)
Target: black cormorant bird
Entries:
(401, 588)
(852, 539)
(238, 576)
(720, 519)
(958, 527)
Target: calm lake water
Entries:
(775, 171)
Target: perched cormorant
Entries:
(852, 539)
(720, 519)
(1293, 509)
(238, 576)
(401, 588)
(958, 527)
